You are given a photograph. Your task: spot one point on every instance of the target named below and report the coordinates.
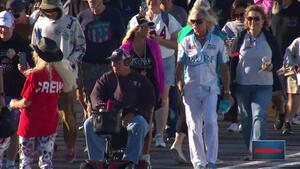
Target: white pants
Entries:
(199, 109)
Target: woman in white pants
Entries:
(201, 56)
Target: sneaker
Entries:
(287, 129)
(177, 154)
(159, 141)
(146, 158)
(211, 166)
(247, 158)
(296, 120)
(70, 157)
(240, 128)
(234, 127)
(278, 124)
(200, 167)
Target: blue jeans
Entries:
(253, 102)
(137, 130)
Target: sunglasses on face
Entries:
(255, 18)
(16, 15)
(237, 15)
(196, 21)
(49, 10)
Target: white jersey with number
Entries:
(161, 30)
(202, 62)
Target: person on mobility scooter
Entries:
(129, 91)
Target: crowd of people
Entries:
(167, 64)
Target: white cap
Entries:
(133, 23)
(202, 4)
(6, 19)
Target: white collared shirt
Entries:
(202, 62)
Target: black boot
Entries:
(278, 124)
(287, 129)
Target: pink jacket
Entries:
(157, 58)
(265, 4)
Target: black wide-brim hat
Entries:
(48, 50)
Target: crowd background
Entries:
(158, 34)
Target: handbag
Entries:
(106, 122)
(107, 117)
(8, 123)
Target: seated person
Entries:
(136, 95)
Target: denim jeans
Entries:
(253, 102)
(137, 130)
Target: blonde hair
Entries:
(260, 10)
(63, 68)
(209, 16)
(129, 34)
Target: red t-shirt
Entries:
(41, 117)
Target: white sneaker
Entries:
(146, 158)
(159, 141)
(234, 127)
(296, 120)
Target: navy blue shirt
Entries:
(103, 33)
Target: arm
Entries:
(179, 76)
(79, 42)
(180, 67)
(2, 102)
(171, 44)
(100, 91)
(225, 76)
(19, 104)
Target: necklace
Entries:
(137, 52)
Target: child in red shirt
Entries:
(39, 103)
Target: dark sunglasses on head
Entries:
(236, 15)
(196, 21)
(255, 18)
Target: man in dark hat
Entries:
(136, 95)
(12, 49)
(67, 33)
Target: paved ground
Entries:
(231, 152)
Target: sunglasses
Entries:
(49, 10)
(16, 15)
(196, 21)
(255, 18)
(237, 15)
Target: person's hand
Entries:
(11, 53)
(227, 96)
(23, 70)
(180, 84)
(296, 69)
(269, 68)
(155, 37)
(12, 103)
(127, 119)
